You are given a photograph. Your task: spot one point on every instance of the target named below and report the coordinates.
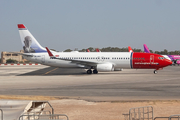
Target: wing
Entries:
(81, 62)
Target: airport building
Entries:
(9, 55)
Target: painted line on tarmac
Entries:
(50, 71)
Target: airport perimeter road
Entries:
(75, 83)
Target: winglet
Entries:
(87, 50)
(146, 50)
(49, 52)
(130, 49)
(97, 50)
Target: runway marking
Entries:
(50, 71)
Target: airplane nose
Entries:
(168, 62)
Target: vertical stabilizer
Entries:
(97, 50)
(146, 50)
(30, 44)
(87, 50)
(130, 49)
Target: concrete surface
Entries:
(128, 84)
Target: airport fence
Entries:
(1, 114)
(40, 108)
(166, 118)
(174, 117)
(140, 113)
(44, 117)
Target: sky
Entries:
(70, 24)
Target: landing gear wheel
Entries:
(155, 71)
(95, 71)
(89, 71)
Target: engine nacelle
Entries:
(105, 67)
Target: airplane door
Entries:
(100, 59)
(152, 59)
(43, 58)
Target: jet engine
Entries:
(105, 67)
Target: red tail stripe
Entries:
(21, 26)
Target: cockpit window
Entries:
(162, 58)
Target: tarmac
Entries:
(126, 85)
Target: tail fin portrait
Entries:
(146, 50)
(30, 44)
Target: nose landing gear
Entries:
(155, 71)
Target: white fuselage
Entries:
(118, 59)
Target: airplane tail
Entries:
(130, 49)
(30, 44)
(87, 50)
(97, 50)
(146, 50)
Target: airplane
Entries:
(98, 61)
(130, 49)
(87, 50)
(97, 50)
(174, 58)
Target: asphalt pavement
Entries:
(128, 84)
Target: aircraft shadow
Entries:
(55, 71)
(73, 71)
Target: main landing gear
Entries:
(95, 71)
(90, 71)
